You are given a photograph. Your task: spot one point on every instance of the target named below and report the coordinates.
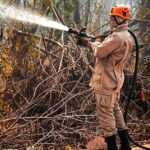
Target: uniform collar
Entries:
(121, 27)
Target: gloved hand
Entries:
(141, 95)
(82, 40)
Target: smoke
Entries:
(11, 12)
(123, 2)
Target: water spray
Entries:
(11, 12)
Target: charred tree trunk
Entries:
(77, 12)
(144, 34)
(87, 10)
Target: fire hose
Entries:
(82, 33)
(133, 82)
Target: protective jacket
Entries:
(111, 57)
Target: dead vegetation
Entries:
(45, 99)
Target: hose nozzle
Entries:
(73, 31)
(81, 33)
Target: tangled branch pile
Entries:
(44, 85)
(45, 99)
(45, 95)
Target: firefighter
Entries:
(111, 57)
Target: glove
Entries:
(82, 40)
(141, 95)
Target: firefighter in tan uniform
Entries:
(111, 57)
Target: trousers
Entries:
(109, 114)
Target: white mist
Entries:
(11, 12)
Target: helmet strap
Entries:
(119, 23)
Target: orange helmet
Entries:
(121, 11)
